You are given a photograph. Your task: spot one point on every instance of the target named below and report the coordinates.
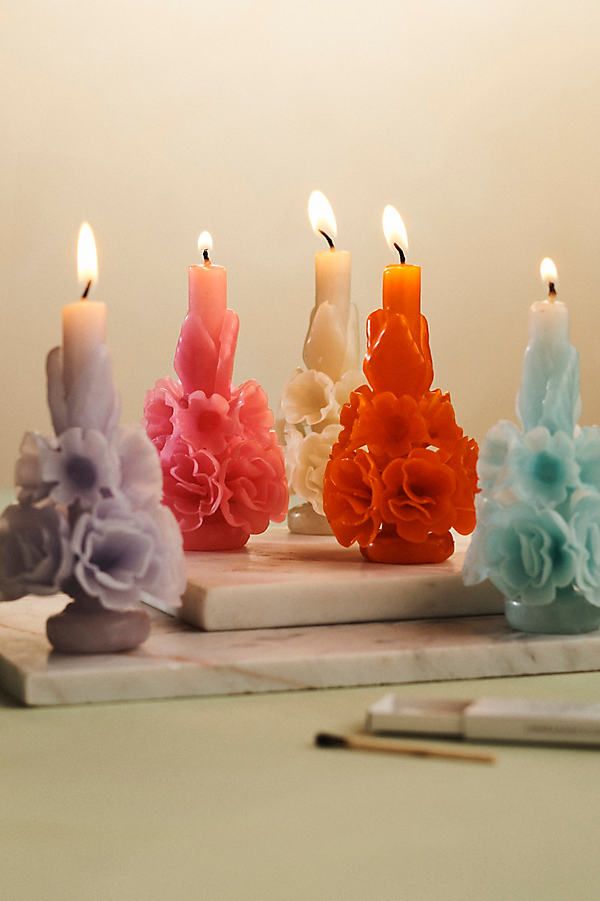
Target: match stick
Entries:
(391, 746)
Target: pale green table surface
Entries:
(225, 798)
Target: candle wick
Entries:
(551, 290)
(401, 252)
(86, 290)
(205, 255)
(328, 239)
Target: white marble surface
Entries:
(178, 661)
(281, 579)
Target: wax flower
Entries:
(538, 525)
(402, 473)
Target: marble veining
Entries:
(280, 579)
(178, 661)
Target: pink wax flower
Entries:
(205, 422)
(192, 484)
(255, 485)
(160, 406)
(250, 409)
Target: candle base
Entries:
(569, 614)
(389, 548)
(86, 627)
(215, 536)
(302, 520)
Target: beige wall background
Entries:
(155, 120)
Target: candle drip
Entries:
(400, 253)
(86, 290)
(328, 239)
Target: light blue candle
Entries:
(549, 394)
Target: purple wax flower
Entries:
(28, 468)
(35, 557)
(141, 474)
(82, 466)
(123, 555)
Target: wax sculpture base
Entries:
(86, 627)
(569, 614)
(389, 548)
(281, 579)
(215, 535)
(302, 520)
(177, 661)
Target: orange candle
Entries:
(401, 282)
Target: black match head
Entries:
(327, 740)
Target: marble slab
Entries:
(178, 661)
(281, 579)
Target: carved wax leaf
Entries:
(393, 361)
(325, 345)
(227, 346)
(196, 356)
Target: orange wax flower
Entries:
(402, 473)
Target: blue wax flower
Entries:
(587, 453)
(585, 523)
(527, 553)
(493, 453)
(542, 467)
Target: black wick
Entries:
(328, 239)
(205, 255)
(401, 252)
(551, 289)
(86, 290)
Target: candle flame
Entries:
(394, 229)
(87, 257)
(321, 215)
(548, 271)
(205, 242)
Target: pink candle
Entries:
(207, 288)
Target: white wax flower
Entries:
(292, 440)
(348, 382)
(308, 397)
(311, 458)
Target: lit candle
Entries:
(401, 282)
(549, 393)
(84, 321)
(207, 289)
(331, 345)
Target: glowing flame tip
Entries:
(548, 271)
(321, 215)
(87, 257)
(394, 229)
(205, 242)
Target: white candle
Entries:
(326, 345)
(549, 318)
(332, 266)
(83, 322)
